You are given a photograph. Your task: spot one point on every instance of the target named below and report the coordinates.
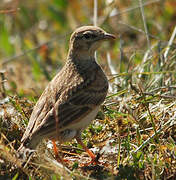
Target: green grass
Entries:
(135, 130)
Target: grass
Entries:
(134, 132)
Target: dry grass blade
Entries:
(145, 25)
(134, 133)
(170, 44)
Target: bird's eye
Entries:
(89, 36)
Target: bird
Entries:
(73, 97)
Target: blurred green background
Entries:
(34, 41)
(34, 35)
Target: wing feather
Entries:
(73, 96)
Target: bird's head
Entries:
(86, 39)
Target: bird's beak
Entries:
(108, 36)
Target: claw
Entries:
(94, 158)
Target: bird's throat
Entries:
(81, 55)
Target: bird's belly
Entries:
(85, 121)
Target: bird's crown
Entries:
(90, 33)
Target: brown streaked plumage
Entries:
(72, 99)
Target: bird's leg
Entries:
(90, 153)
(56, 153)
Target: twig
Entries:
(95, 12)
(135, 118)
(121, 52)
(95, 20)
(133, 8)
(169, 44)
(9, 11)
(153, 135)
(163, 87)
(145, 25)
(158, 95)
(2, 83)
(5, 61)
(9, 155)
(113, 71)
(148, 110)
(141, 31)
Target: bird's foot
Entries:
(94, 161)
(57, 157)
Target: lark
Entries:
(72, 99)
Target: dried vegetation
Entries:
(134, 133)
